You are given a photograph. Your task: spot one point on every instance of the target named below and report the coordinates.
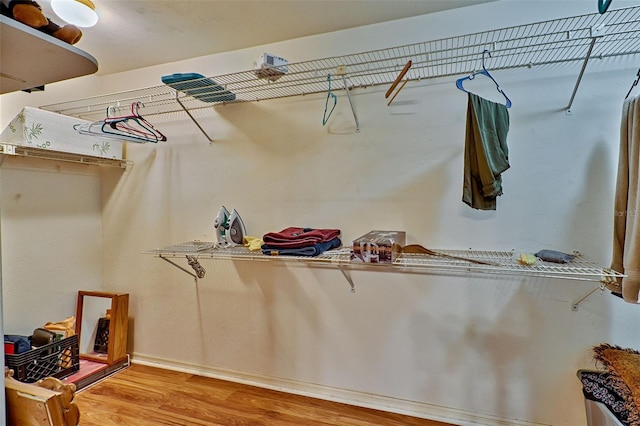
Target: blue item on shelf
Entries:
(199, 87)
(554, 256)
(22, 343)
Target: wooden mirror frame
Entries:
(118, 325)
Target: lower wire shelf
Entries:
(450, 262)
(492, 262)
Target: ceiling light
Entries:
(77, 12)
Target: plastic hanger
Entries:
(325, 116)
(486, 73)
(133, 127)
(103, 130)
(143, 129)
(603, 5)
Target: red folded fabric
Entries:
(295, 237)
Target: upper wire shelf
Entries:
(499, 262)
(563, 40)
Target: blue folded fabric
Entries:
(22, 342)
(554, 256)
(311, 250)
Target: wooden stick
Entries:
(398, 78)
(417, 248)
(397, 91)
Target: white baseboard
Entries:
(361, 399)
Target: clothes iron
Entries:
(221, 224)
(235, 230)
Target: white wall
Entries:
(51, 240)
(490, 349)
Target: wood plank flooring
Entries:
(147, 396)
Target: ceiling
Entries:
(133, 34)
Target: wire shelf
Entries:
(563, 40)
(495, 262)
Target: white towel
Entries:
(626, 219)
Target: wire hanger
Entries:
(635, 83)
(132, 128)
(486, 73)
(330, 94)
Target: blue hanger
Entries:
(330, 94)
(485, 73)
(634, 84)
(603, 6)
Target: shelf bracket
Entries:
(193, 119)
(181, 268)
(595, 33)
(574, 305)
(348, 278)
(355, 116)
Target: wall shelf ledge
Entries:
(49, 154)
(501, 262)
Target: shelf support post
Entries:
(180, 267)
(193, 119)
(574, 305)
(595, 33)
(348, 278)
(355, 116)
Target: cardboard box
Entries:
(378, 247)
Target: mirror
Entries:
(101, 326)
(93, 309)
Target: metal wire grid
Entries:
(499, 262)
(556, 41)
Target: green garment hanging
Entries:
(486, 152)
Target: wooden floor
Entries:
(140, 396)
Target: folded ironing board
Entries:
(199, 87)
